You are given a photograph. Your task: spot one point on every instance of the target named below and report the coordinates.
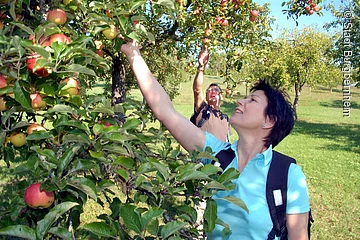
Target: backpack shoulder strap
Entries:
(225, 157)
(276, 192)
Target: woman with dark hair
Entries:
(261, 121)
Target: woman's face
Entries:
(249, 113)
(213, 95)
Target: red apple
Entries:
(228, 91)
(57, 16)
(3, 82)
(219, 19)
(36, 198)
(60, 38)
(252, 18)
(206, 41)
(316, 8)
(30, 62)
(71, 88)
(36, 101)
(100, 52)
(254, 13)
(208, 32)
(225, 22)
(34, 127)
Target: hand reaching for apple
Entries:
(203, 57)
(131, 49)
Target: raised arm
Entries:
(203, 59)
(186, 133)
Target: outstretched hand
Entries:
(131, 48)
(203, 57)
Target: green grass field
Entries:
(326, 146)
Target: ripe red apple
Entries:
(18, 139)
(208, 32)
(60, 38)
(30, 62)
(316, 8)
(254, 13)
(252, 18)
(2, 104)
(110, 33)
(71, 88)
(36, 101)
(206, 41)
(57, 16)
(36, 198)
(100, 52)
(219, 19)
(34, 127)
(225, 22)
(3, 82)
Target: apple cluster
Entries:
(311, 7)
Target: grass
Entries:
(326, 146)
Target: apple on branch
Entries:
(18, 139)
(57, 16)
(110, 33)
(31, 61)
(3, 82)
(72, 87)
(34, 127)
(60, 38)
(36, 198)
(37, 102)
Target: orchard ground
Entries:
(325, 144)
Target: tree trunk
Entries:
(118, 86)
(296, 99)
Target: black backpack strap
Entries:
(276, 193)
(225, 157)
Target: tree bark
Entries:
(118, 86)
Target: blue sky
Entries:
(313, 20)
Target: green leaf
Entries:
(228, 175)
(38, 135)
(171, 228)
(75, 124)
(215, 185)
(61, 108)
(66, 159)
(131, 218)
(151, 214)
(44, 225)
(80, 138)
(166, 3)
(132, 123)
(209, 169)
(100, 229)
(122, 172)
(23, 27)
(124, 161)
(22, 96)
(145, 168)
(61, 232)
(236, 201)
(160, 167)
(210, 215)
(85, 185)
(103, 110)
(80, 69)
(192, 175)
(19, 231)
(114, 148)
(153, 226)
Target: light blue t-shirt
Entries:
(250, 187)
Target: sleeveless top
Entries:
(211, 120)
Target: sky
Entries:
(313, 20)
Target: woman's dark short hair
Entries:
(279, 110)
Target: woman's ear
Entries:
(268, 123)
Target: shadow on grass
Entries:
(339, 104)
(345, 136)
